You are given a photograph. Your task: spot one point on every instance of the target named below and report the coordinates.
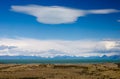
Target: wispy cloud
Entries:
(2, 47)
(118, 20)
(51, 48)
(57, 14)
(103, 11)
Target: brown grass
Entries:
(58, 71)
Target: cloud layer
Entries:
(57, 14)
(52, 48)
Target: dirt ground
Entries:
(59, 71)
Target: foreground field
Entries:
(50, 71)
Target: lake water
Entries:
(58, 61)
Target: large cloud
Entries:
(57, 14)
(51, 48)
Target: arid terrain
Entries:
(59, 71)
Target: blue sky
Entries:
(92, 26)
(63, 20)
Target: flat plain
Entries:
(60, 71)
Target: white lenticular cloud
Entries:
(57, 14)
(52, 48)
